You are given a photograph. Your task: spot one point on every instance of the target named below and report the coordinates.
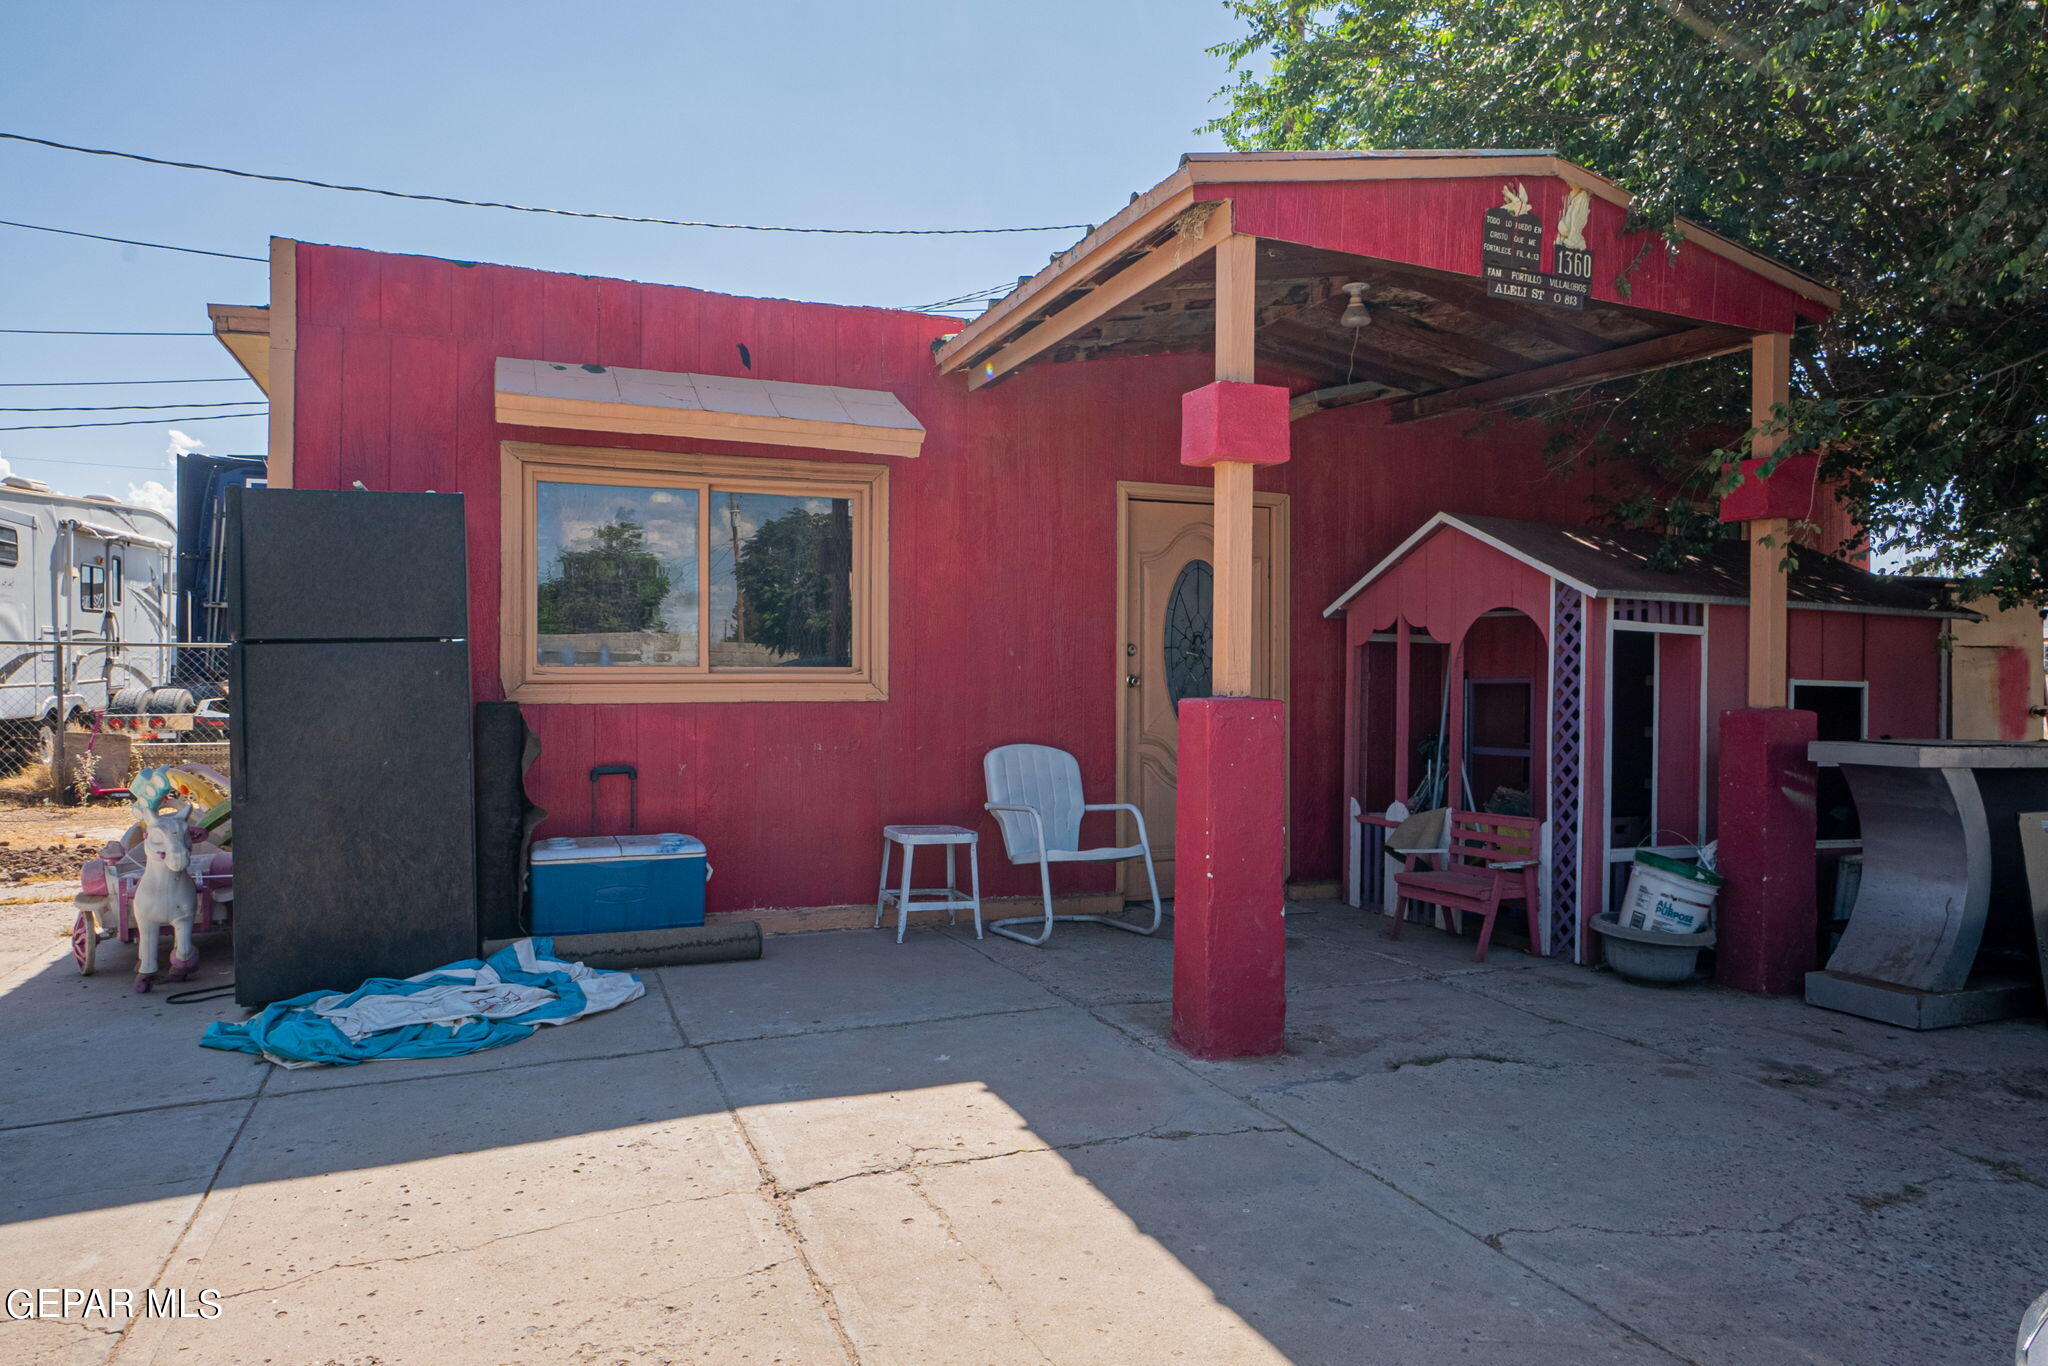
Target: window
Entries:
(10, 547)
(114, 577)
(92, 588)
(1841, 712)
(642, 576)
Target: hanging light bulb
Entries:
(1356, 313)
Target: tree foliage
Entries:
(1892, 149)
(609, 582)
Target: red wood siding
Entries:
(1003, 576)
(1900, 657)
(1436, 223)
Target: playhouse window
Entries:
(637, 576)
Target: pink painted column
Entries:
(1230, 845)
(1766, 919)
(1230, 859)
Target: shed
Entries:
(1584, 667)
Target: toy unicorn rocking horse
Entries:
(166, 895)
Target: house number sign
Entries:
(1511, 251)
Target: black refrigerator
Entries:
(349, 688)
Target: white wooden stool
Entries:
(947, 898)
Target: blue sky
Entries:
(889, 113)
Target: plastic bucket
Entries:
(1669, 895)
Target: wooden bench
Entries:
(1489, 860)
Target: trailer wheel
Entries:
(130, 699)
(171, 701)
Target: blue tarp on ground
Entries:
(464, 1007)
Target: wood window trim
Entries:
(525, 464)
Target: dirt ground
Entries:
(43, 842)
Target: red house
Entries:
(1107, 515)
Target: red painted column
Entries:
(1766, 827)
(1230, 850)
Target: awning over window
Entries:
(603, 398)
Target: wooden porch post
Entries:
(1770, 384)
(1230, 812)
(1766, 780)
(1236, 311)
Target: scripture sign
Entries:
(1511, 251)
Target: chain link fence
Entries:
(82, 716)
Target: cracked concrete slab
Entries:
(1925, 1271)
(29, 930)
(378, 1173)
(100, 1203)
(713, 1281)
(807, 983)
(1450, 1164)
(80, 1046)
(1648, 1145)
(1254, 1247)
(823, 1107)
(1102, 967)
(1341, 1035)
(1701, 1023)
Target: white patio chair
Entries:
(1034, 792)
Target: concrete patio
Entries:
(982, 1153)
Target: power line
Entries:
(133, 407)
(67, 463)
(959, 300)
(80, 383)
(132, 422)
(67, 332)
(131, 242)
(528, 208)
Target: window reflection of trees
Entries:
(781, 569)
(608, 582)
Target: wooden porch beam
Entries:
(1335, 396)
(1469, 297)
(1677, 348)
(1475, 349)
(1770, 384)
(1119, 289)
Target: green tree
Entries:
(1892, 149)
(609, 582)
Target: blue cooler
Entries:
(602, 884)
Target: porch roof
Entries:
(1603, 563)
(1407, 228)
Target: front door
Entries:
(1168, 576)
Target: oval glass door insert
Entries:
(1188, 622)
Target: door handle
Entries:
(1130, 680)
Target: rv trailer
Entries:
(87, 610)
